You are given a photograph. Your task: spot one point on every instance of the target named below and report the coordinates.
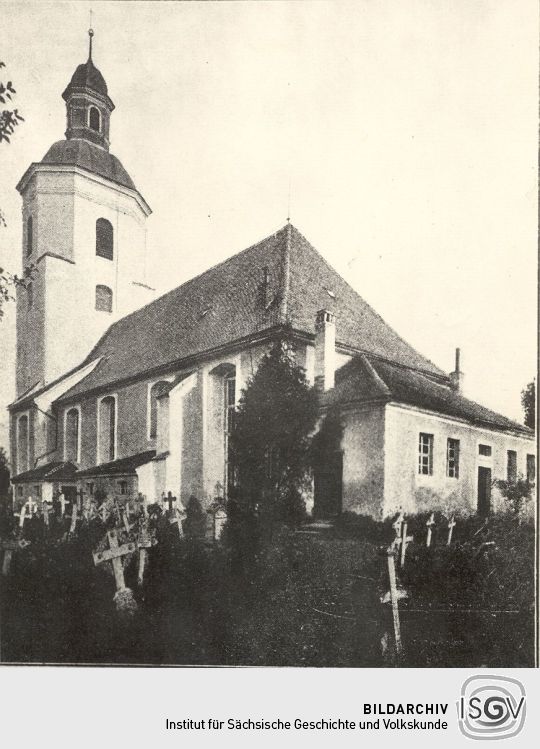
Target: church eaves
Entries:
(226, 306)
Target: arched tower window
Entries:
(22, 444)
(94, 119)
(71, 436)
(104, 298)
(104, 239)
(107, 429)
(157, 389)
(29, 235)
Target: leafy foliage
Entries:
(272, 435)
(10, 281)
(9, 118)
(516, 493)
(528, 402)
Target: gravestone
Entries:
(125, 602)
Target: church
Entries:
(120, 392)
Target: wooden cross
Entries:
(396, 525)
(451, 526)
(63, 502)
(74, 514)
(31, 506)
(430, 523)
(394, 599)
(22, 516)
(114, 555)
(177, 519)
(145, 540)
(45, 511)
(103, 512)
(168, 500)
(405, 541)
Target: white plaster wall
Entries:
(64, 324)
(405, 488)
(363, 461)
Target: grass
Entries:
(282, 599)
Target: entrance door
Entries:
(484, 491)
(328, 487)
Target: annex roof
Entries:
(120, 467)
(279, 281)
(365, 378)
(55, 471)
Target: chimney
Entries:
(456, 377)
(325, 350)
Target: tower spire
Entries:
(90, 35)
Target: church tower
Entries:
(84, 239)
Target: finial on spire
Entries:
(90, 35)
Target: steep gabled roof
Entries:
(229, 303)
(366, 379)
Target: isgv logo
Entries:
(491, 707)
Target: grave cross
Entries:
(103, 512)
(144, 541)
(168, 500)
(177, 519)
(31, 506)
(114, 554)
(405, 541)
(22, 516)
(63, 502)
(45, 511)
(430, 523)
(451, 526)
(74, 514)
(396, 525)
(394, 598)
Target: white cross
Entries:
(430, 523)
(114, 555)
(63, 502)
(103, 512)
(396, 525)
(451, 525)
(179, 515)
(21, 515)
(405, 540)
(144, 541)
(74, 513)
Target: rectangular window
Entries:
(38, 490)
(123, 487)
(484, 450)
(452, 458)
(511, 465)
(425, 454)
(531, 469)
(90, 488)
(20, 490)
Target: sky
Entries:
(400, 136)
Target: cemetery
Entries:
(132, 581)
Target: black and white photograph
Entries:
(268, 324)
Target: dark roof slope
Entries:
(86, 155)
(228, 303)
(88, 76)
(365, 379)
(120, 467)
(55, 471)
